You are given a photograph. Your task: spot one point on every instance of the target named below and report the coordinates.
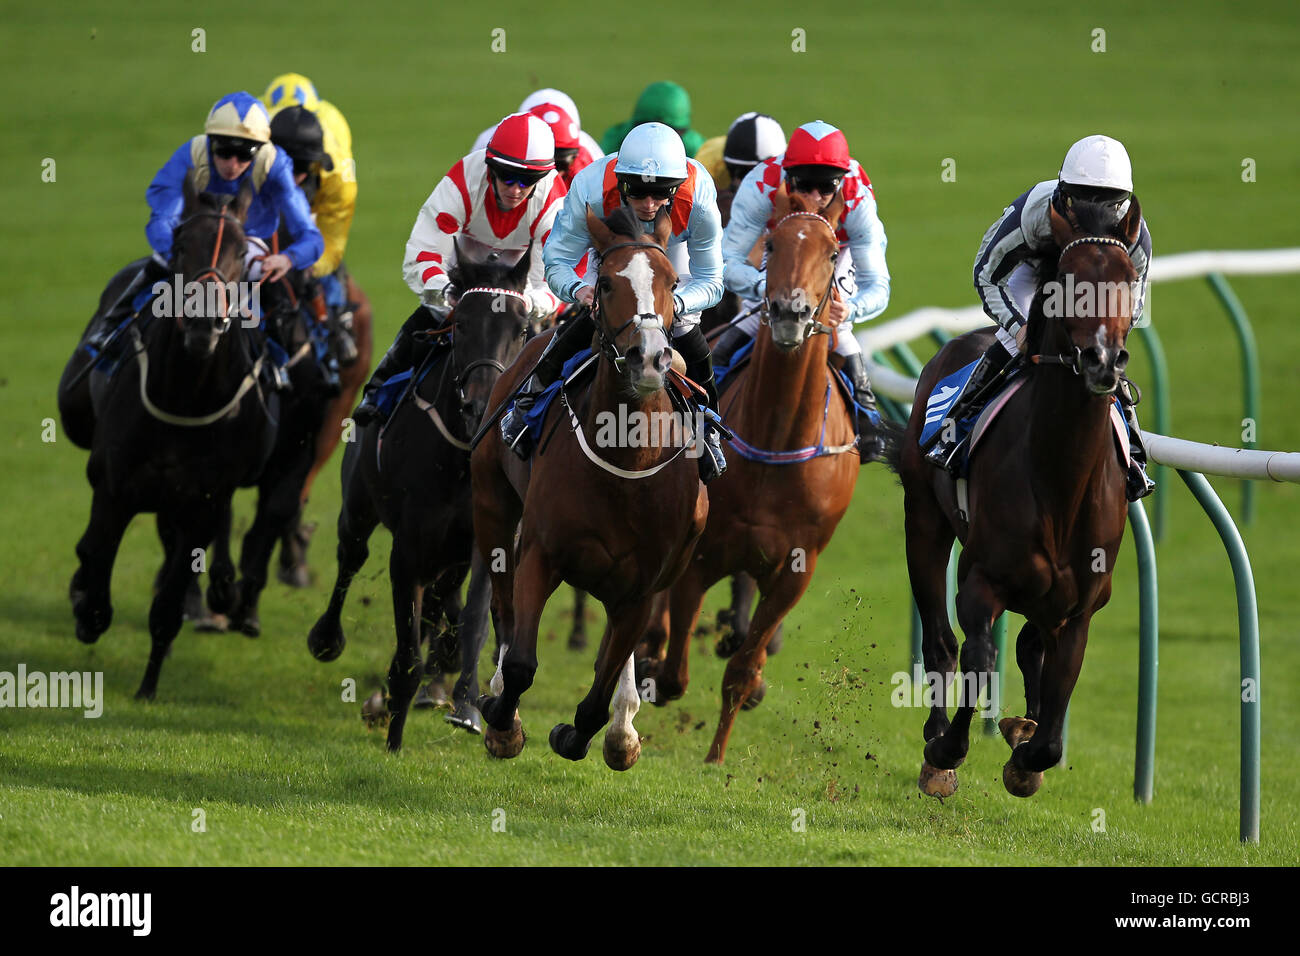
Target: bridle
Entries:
(1074, 360)
(222, 216)
(818, 328)
(644, 321)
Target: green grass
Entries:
(255, 732)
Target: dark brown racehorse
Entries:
(772, 520)
(620, 536)
(1046, 510)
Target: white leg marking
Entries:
(627, 702)
(498, 682)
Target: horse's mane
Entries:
(466, 274)
(624, 222)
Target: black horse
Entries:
(413, 475)
(182, 423)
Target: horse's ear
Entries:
(518, 275)
(189, 194)
(663, 226)
(835, 210)
(1062, 231)
(243, 200)
(601, 237)
(1131, 225)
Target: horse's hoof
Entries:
(467, 718)
(726, 646)
(75, 591)
(755, 698)
(935, 758)
(619, 758)
(431, 695)
(505, 744)
(1020, 783)
(577, 641)
(566, 743)
(296, 576)
(937, 783)
(91, 622)
(325, 641)
(776, 641)
(375, 711)
(221, 597)
(250, 625)
(146, 693)
(212, 623)
(1016, 730)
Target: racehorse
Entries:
(794, 465)
(1045, 512)
(293, 543)
(619, 522)
(180, 425)
(413, 475)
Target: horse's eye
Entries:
(603, 284)
(835, 255)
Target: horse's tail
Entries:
(892, 432)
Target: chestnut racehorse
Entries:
(619, 522)
(1046, 501)
(775, 509)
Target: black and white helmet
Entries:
(752, 138)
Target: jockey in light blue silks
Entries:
(816, 164)
(234, 148)
(648, 173)
(1096, 170)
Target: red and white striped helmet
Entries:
(523, 141)
(563, 128)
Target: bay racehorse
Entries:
(1045, 510)
(793, 467)
(617, 518)
(183, 422)
(412, 473)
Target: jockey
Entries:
(571, 157)
(235, 149)
(662, 102)
(319, 141)
(817, 165)
(587, 149)
(1096, 170)
(501, 198)
(683, 187)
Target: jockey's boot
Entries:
(728, 344)
(946, 452)
(694, 349)
(339, 324)
(399, 357)
(151, 272)
(1137, 484)
(871, 438)
(571, 339)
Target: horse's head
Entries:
(634, 297)
(491, 323)
(1088, 305)
(801, 254)
(208, 248)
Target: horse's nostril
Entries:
(1121, 360)
(663, 360)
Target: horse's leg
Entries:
(277, 504)
(625, 624)
(737, 616)
(441, 626)
(978, 606)
(534, 582)
(622, 742)
(655, 639)
(929, 544)
(194, 528)
(357, 521)
(670, 676)
(1029, 656)
(1023, 773)
(578, 636)
(221, 592)
(472, 635)
(96, 552)
(743, 677)
(405, 671)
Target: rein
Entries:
(188, 421)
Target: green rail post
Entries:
(898, 411)
(917, 656)
(941, 338)
(1161, 417)
(907, 359)
(1248, 627)
(1144, 768)
(1250, 379)
(995, 693)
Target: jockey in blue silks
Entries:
(650, 172)
(234, 148)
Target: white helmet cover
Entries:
(1098, 161)
(652, 151)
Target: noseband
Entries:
(765, 316)
(644, 321)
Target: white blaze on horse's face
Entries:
(649, 354)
